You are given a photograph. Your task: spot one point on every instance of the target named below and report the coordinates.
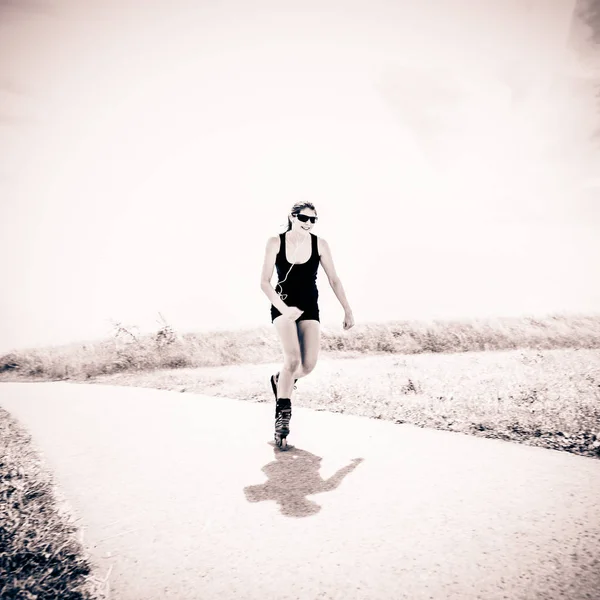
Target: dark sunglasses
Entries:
(306, 218)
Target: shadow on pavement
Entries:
(293, 475)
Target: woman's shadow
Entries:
(293, 476)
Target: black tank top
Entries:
(301, 282)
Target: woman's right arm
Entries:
(267, 273)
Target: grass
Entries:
(548, 398)
(127, 352)
(41, 556)
(529, 381)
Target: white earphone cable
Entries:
(281, 294)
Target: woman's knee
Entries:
(308, 366)
(292, 363)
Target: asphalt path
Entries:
(184, 496)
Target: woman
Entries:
(297, 254)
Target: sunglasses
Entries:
(306, 218)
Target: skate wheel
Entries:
(281, 442)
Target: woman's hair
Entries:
(297, 208)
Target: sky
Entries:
(149, 149)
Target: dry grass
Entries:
(537, 383)
(41, 556)
(549, 398)
(529, 380)
(127, 352)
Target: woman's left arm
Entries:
(335, 283)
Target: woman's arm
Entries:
(334, 282)
(267, 273)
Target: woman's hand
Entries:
(292, 313)
(348, 320)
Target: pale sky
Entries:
(148, 150)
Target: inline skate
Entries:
(274, 380)
(283, 414)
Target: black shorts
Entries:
(311, 313)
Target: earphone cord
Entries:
(281, 294)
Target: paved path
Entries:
(185, 498)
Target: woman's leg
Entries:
(309, 337)
(292, 358)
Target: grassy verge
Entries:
(41, 556)
(128, 352)
(549, 399)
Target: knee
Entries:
(292, 363)
(308, 366)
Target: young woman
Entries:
(297, 254)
